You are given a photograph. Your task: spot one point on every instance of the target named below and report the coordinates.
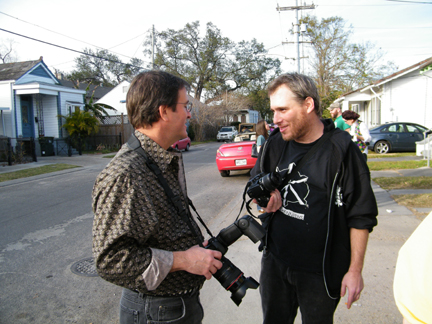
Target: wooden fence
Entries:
(114, 126)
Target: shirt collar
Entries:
(161, 156)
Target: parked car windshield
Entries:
(245, 137)
(226, 129)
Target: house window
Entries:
(376, 111)
(73, 109)
(356, 108)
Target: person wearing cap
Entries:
(336, 113)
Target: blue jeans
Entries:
(143, 309)
(284, 290)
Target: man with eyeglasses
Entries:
(141, 240)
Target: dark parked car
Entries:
(396, 137)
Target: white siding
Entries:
(116, 98)
(6, 102)
(408, 99)
(51, 127)
(71, 97)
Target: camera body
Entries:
(260, 187)
(229, 276)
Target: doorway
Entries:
(27, 116)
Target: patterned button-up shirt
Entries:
(136, 227)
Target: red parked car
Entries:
(236, 155)
(183, 144)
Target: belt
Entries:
(185, 293)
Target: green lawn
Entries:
(373, 155)
(390, 183)
(396, 165)
(35, 171)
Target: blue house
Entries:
(31, 99)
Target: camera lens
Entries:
(232, 279)
(271, 181)
(228, 274)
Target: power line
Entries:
(426, 27)
(52, 31)
(414, 2)
(72, 50)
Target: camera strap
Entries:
(184, 213)
(269, 217)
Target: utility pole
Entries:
(296, 27)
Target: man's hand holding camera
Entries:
(274, 203)
(197, 260)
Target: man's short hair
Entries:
(149, 90)
(302, 87)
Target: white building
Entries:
(116, 98)
(31, 100)
(405, 96)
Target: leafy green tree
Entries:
(212, 64)
(260, 101)
(102, 67)
(80, 124)
(338, 65)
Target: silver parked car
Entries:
(226, 133)
(396, 137)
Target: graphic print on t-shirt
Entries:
(294, 194)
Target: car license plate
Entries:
(240, 162)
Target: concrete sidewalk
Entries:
(376, 304)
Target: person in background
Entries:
(336, 113)
(262, 133)
(358, 130)
(321, 214)
(412, 283)
(141, 241)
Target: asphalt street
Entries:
(46, 291)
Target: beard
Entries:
(297, 129)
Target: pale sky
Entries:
(403, 30)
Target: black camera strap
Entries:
(267, 218)
(184, 213)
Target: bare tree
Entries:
(7, 51)
(339, 65)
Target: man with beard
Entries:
(320, 216)
(336, 113)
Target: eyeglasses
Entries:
(188, 105)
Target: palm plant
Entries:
(80, 124)
(98, 109)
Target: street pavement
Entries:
(376, 305)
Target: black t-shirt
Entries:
(298, 230)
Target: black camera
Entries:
(260, 186)
(229, 276)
